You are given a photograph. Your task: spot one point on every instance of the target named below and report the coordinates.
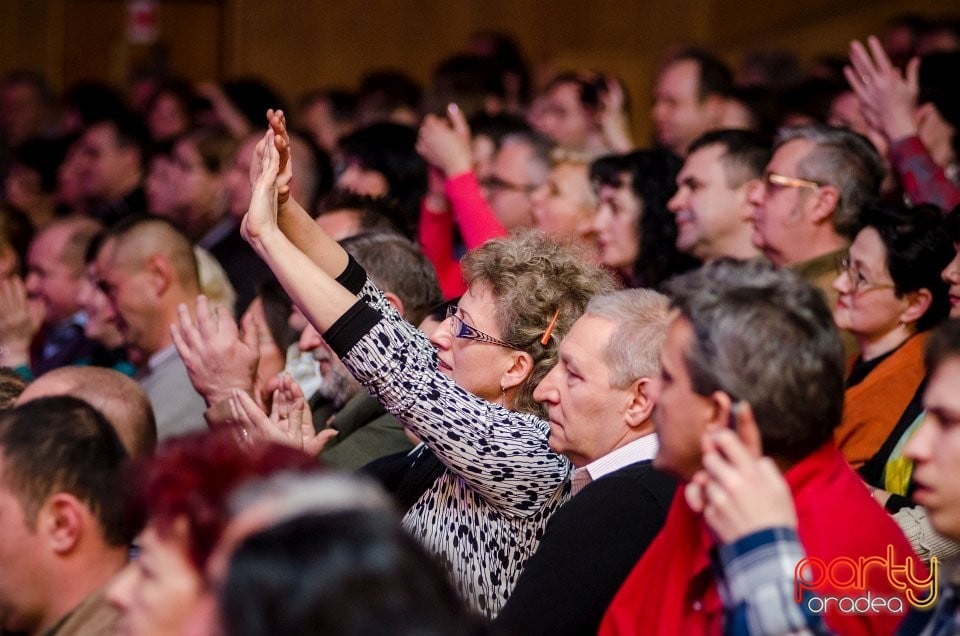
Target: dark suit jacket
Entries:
(589, 547)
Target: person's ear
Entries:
(61, 520)
(394, 300)
(917, 304)
(715, 106)
(721, 405)
(640, 408)
(825, 203)
(519, 370)
(160, 273)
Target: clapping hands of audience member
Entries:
(19, 322)
(289, 423)
(278, 124)
(445, 143)
(219, 357)
(739, 491)
(888, 98)
(265, 176)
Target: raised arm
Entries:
(398, 366)
(290, 217)
(308, 278)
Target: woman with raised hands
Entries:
(467, 392)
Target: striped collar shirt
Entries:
(636, 451)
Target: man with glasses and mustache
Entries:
(808, 207)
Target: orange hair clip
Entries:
(549, 331)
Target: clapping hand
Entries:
(290, 422)
(888, 99)
(261, 216)
(218, 356)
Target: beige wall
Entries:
(309, 43)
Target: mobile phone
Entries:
(735, 410)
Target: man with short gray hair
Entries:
(599, 398)
(808, 207)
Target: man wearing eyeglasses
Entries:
(808, 208)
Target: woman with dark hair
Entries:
(890, 295)
(348, 573)
(635, 232)
(201, 160)
(270, 312)
(169, 110)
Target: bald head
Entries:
(135, 244)
(119, 398)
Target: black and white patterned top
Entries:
(486, 513)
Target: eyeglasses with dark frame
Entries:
(460, 329)
(493, 183)
(860, 283)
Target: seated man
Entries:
(756, 521)
(63, 533)
(148, 270)
(710, 204)
(365, 430)
(54, 278)
(746, 332)
(121, 400)
(600, 405)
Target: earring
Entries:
(902, 325)
(503, 396)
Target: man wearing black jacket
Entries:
(599, 401)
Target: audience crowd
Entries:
(466, 358)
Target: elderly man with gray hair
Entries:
(600, 402)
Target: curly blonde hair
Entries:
(531, 276)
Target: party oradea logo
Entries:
(843, 584)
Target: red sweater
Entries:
(475, 219)
(672, 590)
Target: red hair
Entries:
(192, 477)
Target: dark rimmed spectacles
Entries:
(460, 329)
(493, 183)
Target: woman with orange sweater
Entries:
(890, 295)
